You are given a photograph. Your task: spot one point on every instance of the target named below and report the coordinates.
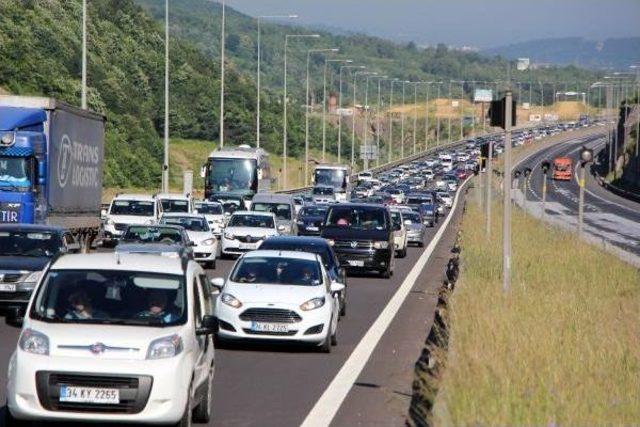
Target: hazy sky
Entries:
(480, 23)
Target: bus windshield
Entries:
(233, 175)
(335, 178)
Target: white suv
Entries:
(130, 209)
(113, 337)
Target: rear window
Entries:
(281, 210)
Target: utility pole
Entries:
(340, 109)
(438, 116)
(451, 112)
(546, 165)
(489, 173)
(402, 121)
(390, 143)
(165, 164)
(461, 110)
(222, 59)
(586, 156)
(415, 115)
(353, 121)
(83, 101)
(324, 101)
(506, 224)
(426, 122)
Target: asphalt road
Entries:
(607, 217)
(278, 386)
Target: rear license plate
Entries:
(7, 287)
(269, 327)
(105, 396)
(355, 263)
(247, 245)
(312, 228)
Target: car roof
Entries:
(182, 215)
(120, 262)
(260, 213)
(172, 196)
(132, 196)
(270, 197)
(298, 240)
(281, 254)
(30, 227)
(358, 205)
(172, 226)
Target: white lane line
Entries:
(329, 403)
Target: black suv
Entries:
(361, 236)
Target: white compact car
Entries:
(279, 295)
(445, 198)
(130, 209)
(115, 338)
(399, 232)
(246, 231)
(174, 203)
(214, 213)
(205, 245)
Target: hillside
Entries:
(610, 53)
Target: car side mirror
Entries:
(209, 326)
(216, 284)
(14, 316)
(337, 287)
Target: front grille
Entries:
(248, 239)
(201, 255)
(347, 244)
(120, 227)
(273, 315)
(10, 277)
(281, 334)
(133, 390)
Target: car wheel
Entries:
(385, 274)
(402, 253)
(334, 337)
(420, 244)
(9, 421)
(186, 419)
(212, 265)
(202, 412)
(325, 347)
(343, 306)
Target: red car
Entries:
(462, 174)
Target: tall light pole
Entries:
(506, 219)
(378, 117)
(324, 103)
(340, 109)
(353, 121)
(165, 164)
(461, 110)
(284, 101)
(402, 120)
(426, 121)
(366, 119)
(222, 59)
(306, 114)
(83, 101)
(415, 114)
(391, 120)
(258, 77)
(451, 107)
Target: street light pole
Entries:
(165, 164)
(506, 220)
(426, 122)
(449, 115)
(222, 59)
(461, 110)
(353, 117)
(366, 120)
(258, 77)
(402, 120)
(284, 118)
(390, 148)
(415, 114)
(83, 101)
(437, 115)
(340, 109)
(324, 102)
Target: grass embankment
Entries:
(562, 348)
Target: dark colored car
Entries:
(310, 219)
(429, 212)
(314, 245)
(25, 250)
(156, 239)
(362, 236)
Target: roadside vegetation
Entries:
(561, 348)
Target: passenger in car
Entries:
(81, 307)
(157, 301)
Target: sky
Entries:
(476, 23)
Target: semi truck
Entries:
(562, 167)
(51, 159)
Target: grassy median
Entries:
(562, 348)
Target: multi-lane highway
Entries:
(609, 219)
(278, 386)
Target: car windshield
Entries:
(277, 271)
(230, 205)
(364, 218)
(396, 219)
(419, 200)
(144, 234)
(209, 209)
(132, 207)
(175, 206)
(188, 222)
(281, 210)
(321, 250)
(323, 191)
(413, 218)
(29, 243)
(111, 297)
(256, 221)
(313, 211)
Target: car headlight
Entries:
(150, 222)
(312, 304)
(229, 236)
(34, 342)
(331, 242)
(32, 277)
(208, 242)
(165, 347)
(230, 300)
(300, 222)
(380, 245)
(110, 222)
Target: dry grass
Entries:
(562, 348)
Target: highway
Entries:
(609, 220)
(278, 386)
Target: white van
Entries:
(113, 338)
(447, 163)
(130, 209)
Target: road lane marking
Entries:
(331, 400)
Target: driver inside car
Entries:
(157, 303)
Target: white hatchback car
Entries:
(214, 212)
(246, 231)
(115, 338)
(206, 248)
(281, 296)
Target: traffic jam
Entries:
(141, 289)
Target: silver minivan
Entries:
(282, 206)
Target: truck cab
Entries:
(562, 168)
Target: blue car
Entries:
(429, 214)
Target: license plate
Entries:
(106, 396)
(355, 263)
(312, 228)
(247, 245)
(7, 287)
(269, 327)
